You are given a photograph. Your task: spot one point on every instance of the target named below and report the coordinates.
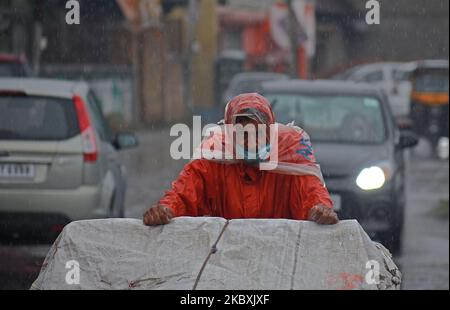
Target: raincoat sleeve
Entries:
(309, 192)
(188, 194)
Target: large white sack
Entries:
(211, 253)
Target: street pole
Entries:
(189, 54)
(36, 47)
(293, 68)
(137, 107)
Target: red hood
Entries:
(247, 101)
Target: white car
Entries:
(392, 77)
(58, 161)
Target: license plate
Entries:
(337, 202)
(17, 171)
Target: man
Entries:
(240, 188)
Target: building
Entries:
(178, 61)
(409, 30)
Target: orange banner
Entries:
(430, 98)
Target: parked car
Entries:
(249, 82)
(58, 160)
(392, 77)
(357, 144)
(13, 66)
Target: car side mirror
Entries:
(408, 139)
(125, 141)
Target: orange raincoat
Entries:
(237, 190)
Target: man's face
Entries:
(251, 134)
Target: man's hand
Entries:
(323, 215)
(158, 215)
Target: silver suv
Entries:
(58, 160)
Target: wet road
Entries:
(425, 258)
(151, 171)
(424, 262)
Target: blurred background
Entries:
(154, 63)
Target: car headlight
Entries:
(374, 177)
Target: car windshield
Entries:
(248, 86)
(37, 118)
(340, 119)
(401, 75)
(432, 82)
(12, 70)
